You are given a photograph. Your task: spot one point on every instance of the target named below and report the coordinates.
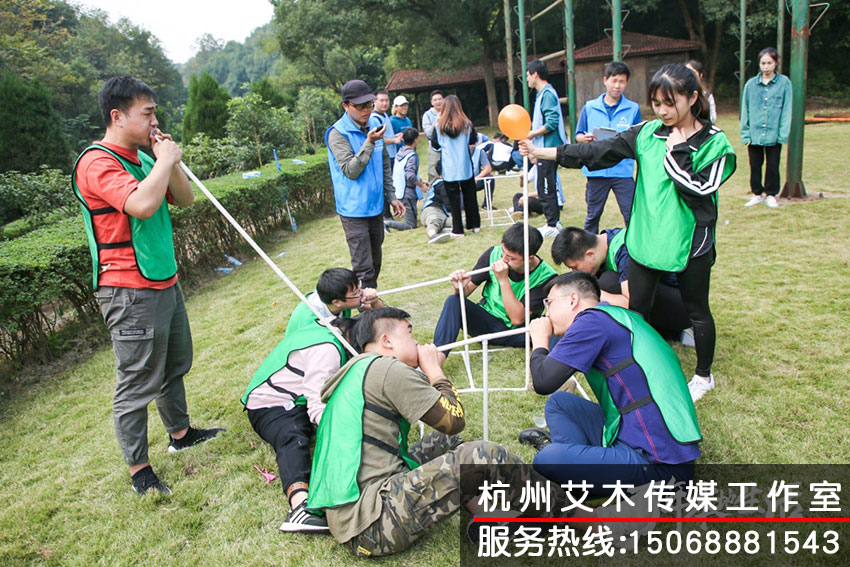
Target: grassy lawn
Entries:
(779, 296)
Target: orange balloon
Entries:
(514, 122)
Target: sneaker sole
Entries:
(289, 528)
(172, 449)
(440, 238)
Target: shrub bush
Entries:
(209, 157)
(36, 195)
(45, 276)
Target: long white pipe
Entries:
(526, 270)
(479, 338)
(264, 256)
(431, 282)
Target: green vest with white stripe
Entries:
(668, 387)
(661, 227)
(151, 239)
(339, 440)
(492, 293)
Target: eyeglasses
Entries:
(547, 301)
(363, 106)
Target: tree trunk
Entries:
(715, 56)
(490, 86)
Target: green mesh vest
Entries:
(151, 239)
(613, 247)
(492, 293)
(661, 227)
(668, 386)
(336, 459)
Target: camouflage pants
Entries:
(419, 498)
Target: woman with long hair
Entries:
(765, 126)
(453, 135)
(696, 67)
(682, 161)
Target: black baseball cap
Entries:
(356, 91)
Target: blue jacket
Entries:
(626, 115)
(766, 111)
(364, 196)
(456, 161)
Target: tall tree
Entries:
(29, 127)
(206, 110)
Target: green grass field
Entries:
(779, 297)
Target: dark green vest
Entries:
(310, 335)
(668, 386)
(661, 227)
(492, 293)
(339, 440)
(151, 239)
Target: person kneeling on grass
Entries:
(645, 423)
(283, 401)
(379, 496)
(606, 257)
(406, 181)
(502, 306)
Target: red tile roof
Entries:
(635, 44)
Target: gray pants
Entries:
(433, 158)
(410, 208)
(434, 219)
(365, 237)
(153, 350)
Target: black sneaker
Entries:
(145, 480)
(535, 437)
(300, 520)
(193, 437)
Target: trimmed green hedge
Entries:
(45, 275)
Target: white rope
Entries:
(265, 256)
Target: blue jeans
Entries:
(576, 453)
(596, 195)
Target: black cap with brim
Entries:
(356, 92)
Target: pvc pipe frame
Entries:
(265, 256)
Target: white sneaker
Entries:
(687, 338)
(755, 200)
(770, 201)
(548, 231)
(698, 387)
(440, 237)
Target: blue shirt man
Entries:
(609, 113)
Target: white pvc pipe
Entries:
(265, 256)
(487, 337)
(430, 282)
(526, 270)
(486, 395)
(462, 299)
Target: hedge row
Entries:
(45, 275)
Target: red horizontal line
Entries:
(663, 520)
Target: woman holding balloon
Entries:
(682, 161)
(453, 135)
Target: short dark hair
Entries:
(369, 325)
(409, 135)
(513, 239)
(120, 93)
(382, 91)
(582, 282)
(334, 283)
(769, 51)
(617, 68)
(435, 91)
(538, 67)
(571, 244)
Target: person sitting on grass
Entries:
(283, 399)
(435, 211)
(380, 496)
(606, 257)
(406, 181)
(502, 305)
(645, 423)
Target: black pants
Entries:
(694, 283)
(547, 190)
(771, 170)
(534, 204)
(669, 316)
(470, 204)
(289, 433)
(365, 237)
